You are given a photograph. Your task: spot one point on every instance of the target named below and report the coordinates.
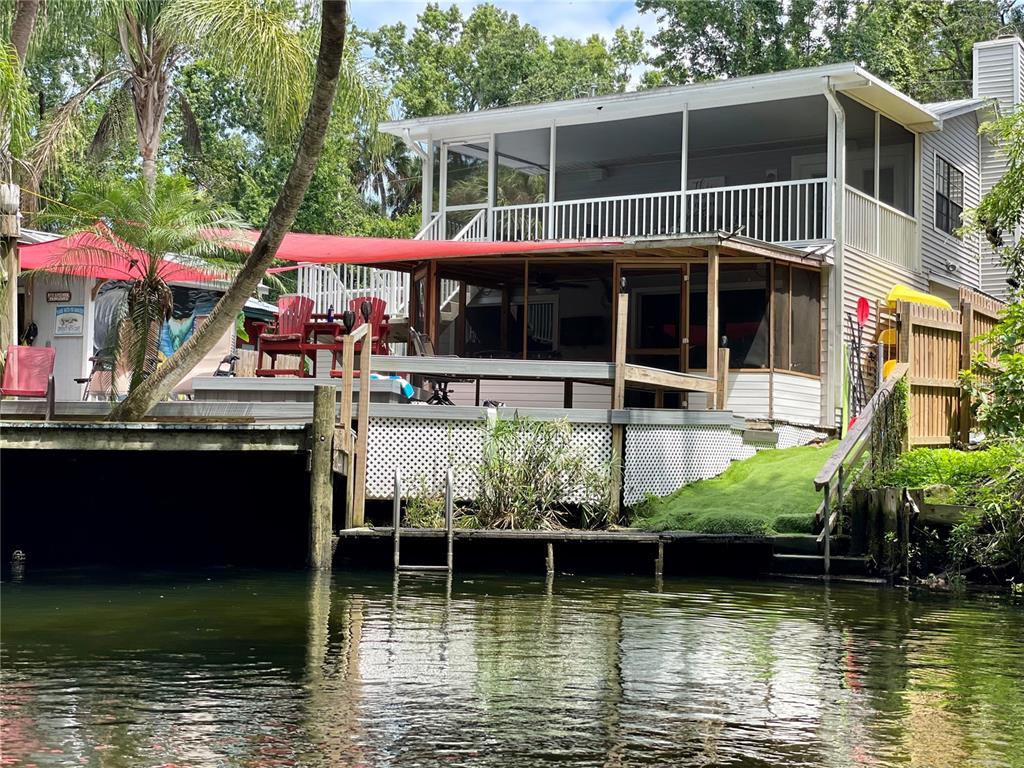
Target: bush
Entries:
(964, 471)
(424, 508)
(530, 469)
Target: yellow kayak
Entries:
(889, 336)
(903, 293)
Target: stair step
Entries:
(815, 564)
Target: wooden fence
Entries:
(938, 344)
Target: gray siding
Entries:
(997, 74)
(957, 144)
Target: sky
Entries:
(566, 18)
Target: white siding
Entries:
(997, 74)
(957, 144)
(796, 399)
(532, 394)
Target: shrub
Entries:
(996, 380)
(424, 508)
(528, 472)
(964, 471)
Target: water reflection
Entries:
(353, 670)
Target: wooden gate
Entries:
(938, 344)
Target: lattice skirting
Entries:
(423, 449)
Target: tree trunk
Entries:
(222, 318)
(24, 23)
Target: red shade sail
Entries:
(335, 249)
(86, 254)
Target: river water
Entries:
(224, 668)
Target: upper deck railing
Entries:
(777, 212)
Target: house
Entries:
(791, 195)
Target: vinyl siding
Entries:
(796, 399)
(997, 74)
(957, 144)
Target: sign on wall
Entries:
(57, 297)
(70, 320)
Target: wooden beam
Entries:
(722, 383)
(967, 318)
(712, 319)
(358, 477)
(321, 478)
(618, 403)
(657, 378)
(110, 436)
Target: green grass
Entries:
(771, 492)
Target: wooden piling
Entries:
(321, 478)
(549, 560)
(618, 403)
(659, 562)
(362, 434)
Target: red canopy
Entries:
(336, 249)
(87, 254)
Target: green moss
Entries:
(770, 492)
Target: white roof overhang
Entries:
(847, 78)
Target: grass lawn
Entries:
(771, 492)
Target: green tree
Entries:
(454, 63)
(171, 221)
(923, 47)
(282, 216)
(1002, 209)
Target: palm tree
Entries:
(311, 141)
(149, 237)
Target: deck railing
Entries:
(880, 230)
(336, 284)
(780, 212)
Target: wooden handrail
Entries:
(849, 445)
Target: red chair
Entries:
(288, 338)
(28, 372)
(380, 329)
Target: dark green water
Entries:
(235, 669)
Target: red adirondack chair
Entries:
(288, 338)
(380, 329)
(28, 372)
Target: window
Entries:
(743, 313)
(949, 196)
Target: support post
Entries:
(659, 562)
(549, 560)
(449, 517)
(712, 319)
(396, 518)
(345, 424)
(967, 319)
(618, 403)
(826, 521)
(722, 380)
(321, 478)
(362, 435)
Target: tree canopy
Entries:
(923, 47)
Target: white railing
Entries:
(434, 229)
(476, 229)
(877, 229)
(336, 285)
(782, 212)
(779, 212)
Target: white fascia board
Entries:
(709, 95)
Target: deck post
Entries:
(618, 403)
(396, 518)
(826, 521)
(321, 478)
(345, 423)
(722, 382)
(712, 320)
(549, 560)
(967, 331)
(659, 561)
(362, 435)
(449, 516)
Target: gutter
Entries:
(416, 148)
(833, 395)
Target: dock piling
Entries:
(396, 516)
(321, 478)
(659, 562)
(549, 561)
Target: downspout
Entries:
(427, 182)
(833, 394)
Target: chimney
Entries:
(999, 75)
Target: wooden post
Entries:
(348, 346)
(967, 319)
(618, 403)
(722, 380)
(826, 521)
(362, 435)
(449, 517)
(396, 519)
(549, 560)
(321, 478)
(712, 320)
(659, 562)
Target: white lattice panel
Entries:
(790, 436)
(661, 459)
(424, 449)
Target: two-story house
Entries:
(786, 196)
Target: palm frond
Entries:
(258, 42)
(15, 105)
(112, 124)
(191, 138)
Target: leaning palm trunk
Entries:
(222, 318)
